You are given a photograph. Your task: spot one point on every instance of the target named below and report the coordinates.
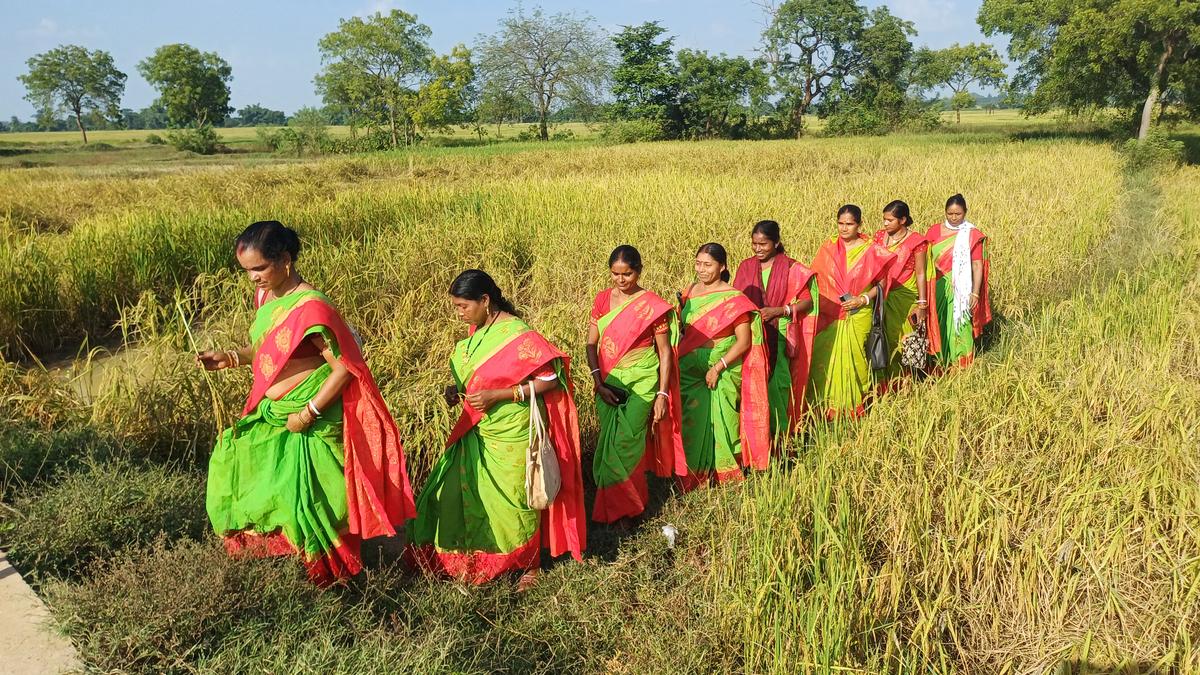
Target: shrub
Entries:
(632, 131)
(155, 139)
(202, 140)
(856, 121)
(97, 512)
(1156, 150)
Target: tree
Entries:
(1075, 54)
(645, 83)
(811, 46)
(547, 59)
(496, 106)
(719, 94)
(75, 79)
(254, 115)
(193, 86)
(960, 66)
(382, 73)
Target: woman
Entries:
(958, 286)
(906, 304)
(850, 270)
(722, 376)
(315, 463)
(630, 350)
(781, 289)
(474, 520)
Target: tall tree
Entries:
(1079, 53)
(719, 94)
(811, 46)
(961, 66)
(73, 78)
(548, 59)
(193, 86)
(878, 82)
(645, 82)
(371, 65)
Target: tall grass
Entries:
(1037, 510)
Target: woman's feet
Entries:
(527, 580)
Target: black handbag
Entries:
(878, 352)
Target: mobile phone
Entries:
(621, 394)
(846, 296)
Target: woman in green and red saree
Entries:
(906, 304)
(782, 289)
(722, 377)
(315, 463)
(474, 522)
(631, 352)
(958, 286)
(850, 270)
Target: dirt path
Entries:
(28, 645)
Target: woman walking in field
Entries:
(849, 270)
(315, 463)
(631, 352)
(906, 305)
(958, 286)
(722, 376)
(781, 288)
(474, 520)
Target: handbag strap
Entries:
(877, 311)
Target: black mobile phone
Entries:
(621, 394)
(847, 296)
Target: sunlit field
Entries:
(1038, 510)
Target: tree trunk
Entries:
(392, 124)
(79, 123)
(543, 128)
(1156, 86)
(957, 115)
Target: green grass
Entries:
(1036, 511)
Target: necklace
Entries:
(891, 242)
(468, 351)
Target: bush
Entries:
(202, 140)
(633, 131)
(155, 139)
(96, 513)
(1156, 150)
(856, 121)
(564, 135)
(98, 147)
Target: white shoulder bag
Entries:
(542, 476)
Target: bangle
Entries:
(515, 390)
(521, 390)
(975, 295)
(664, 395)
(312, 408)
(866, 299)
(724, 366)
(923, 302)
(788, 310)
(595, 370)
(234, 358)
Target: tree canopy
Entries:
(72, 78)
(1074, 54)
(549, 59)
(193, 85)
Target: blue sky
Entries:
(272, 45)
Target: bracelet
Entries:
(923, 302)
(866, 300)
(521, 390)
(312, 408)
(515, 390)
(788, 310)
(724, 366)
(975, 295)
(664, 395)
(233, 356)
(595, 370)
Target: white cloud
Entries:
(49, 29)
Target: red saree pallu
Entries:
(800, 334)
(900, 303)
(378, 496)
(940, 271)
(841, 376)
(561, 527)
(754, 412)
(622, 331)
(748, 280)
